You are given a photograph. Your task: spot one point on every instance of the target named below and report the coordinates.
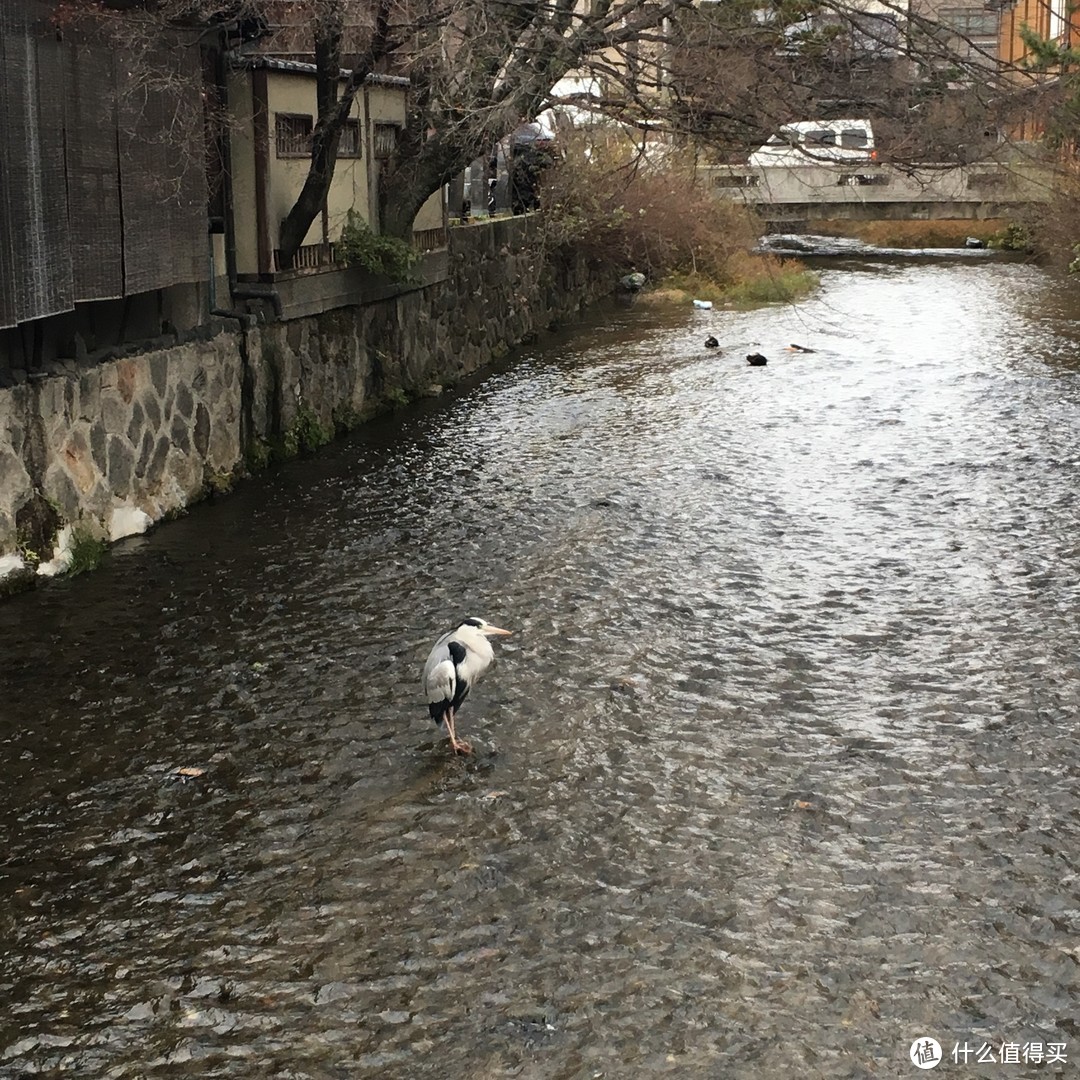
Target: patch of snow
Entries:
(11, 564)
(61, 559)
(128, 520)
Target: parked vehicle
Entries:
(810, 142)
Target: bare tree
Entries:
(491, 66)
(720, 74)
(334, 97)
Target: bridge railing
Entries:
(880, 183)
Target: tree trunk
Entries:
(333, 113)
(313, 195)
(405, 188)
(324, 139)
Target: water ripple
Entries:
(776, 773)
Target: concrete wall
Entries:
(108, 450)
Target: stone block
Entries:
(159, 372)
(121, 464)
(223, 450)
(78, 460)
(16, 485)
(8, 539)
(115, 412)
(98, 445)
(151, 408)
(155, 469)
(201, 431)
(184, 402)
(52, 400)
(136, 423)
(185, 473)
(127, 378)
(59, 488)
(89, 395)
(146, 450)
(180, 435)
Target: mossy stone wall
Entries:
(115, 447)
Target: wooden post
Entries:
(261, 125)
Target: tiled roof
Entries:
(297, 67)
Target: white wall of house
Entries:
(279, 147)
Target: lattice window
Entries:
(293, 135)
(350, 145)
(386, 140)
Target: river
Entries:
(777, 775)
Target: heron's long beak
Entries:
(496, 631)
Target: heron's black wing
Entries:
(458, 652)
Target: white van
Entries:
(812, 142)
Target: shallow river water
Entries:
(777, 775)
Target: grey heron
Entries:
(456, 662)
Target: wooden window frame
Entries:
(356, 150)
(380, 151)
(286, 145)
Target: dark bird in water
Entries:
(711, 343)
(755, 359)
(453, 667)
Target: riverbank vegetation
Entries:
(916, 234)
(632, 212)
(1052, 229)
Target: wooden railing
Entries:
(309, 257)
(429, 239)
(319, 256)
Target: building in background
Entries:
(1039, 85)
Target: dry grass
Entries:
(655, 217)
(913, 234)
(751, 280)
(626, 211)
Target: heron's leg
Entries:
(459, 746)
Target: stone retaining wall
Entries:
(105, 451)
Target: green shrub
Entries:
(1012, 238)
(306, 433)
(385, 256)
(87, 551)
(258, 454)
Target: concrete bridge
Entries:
(789, 195)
